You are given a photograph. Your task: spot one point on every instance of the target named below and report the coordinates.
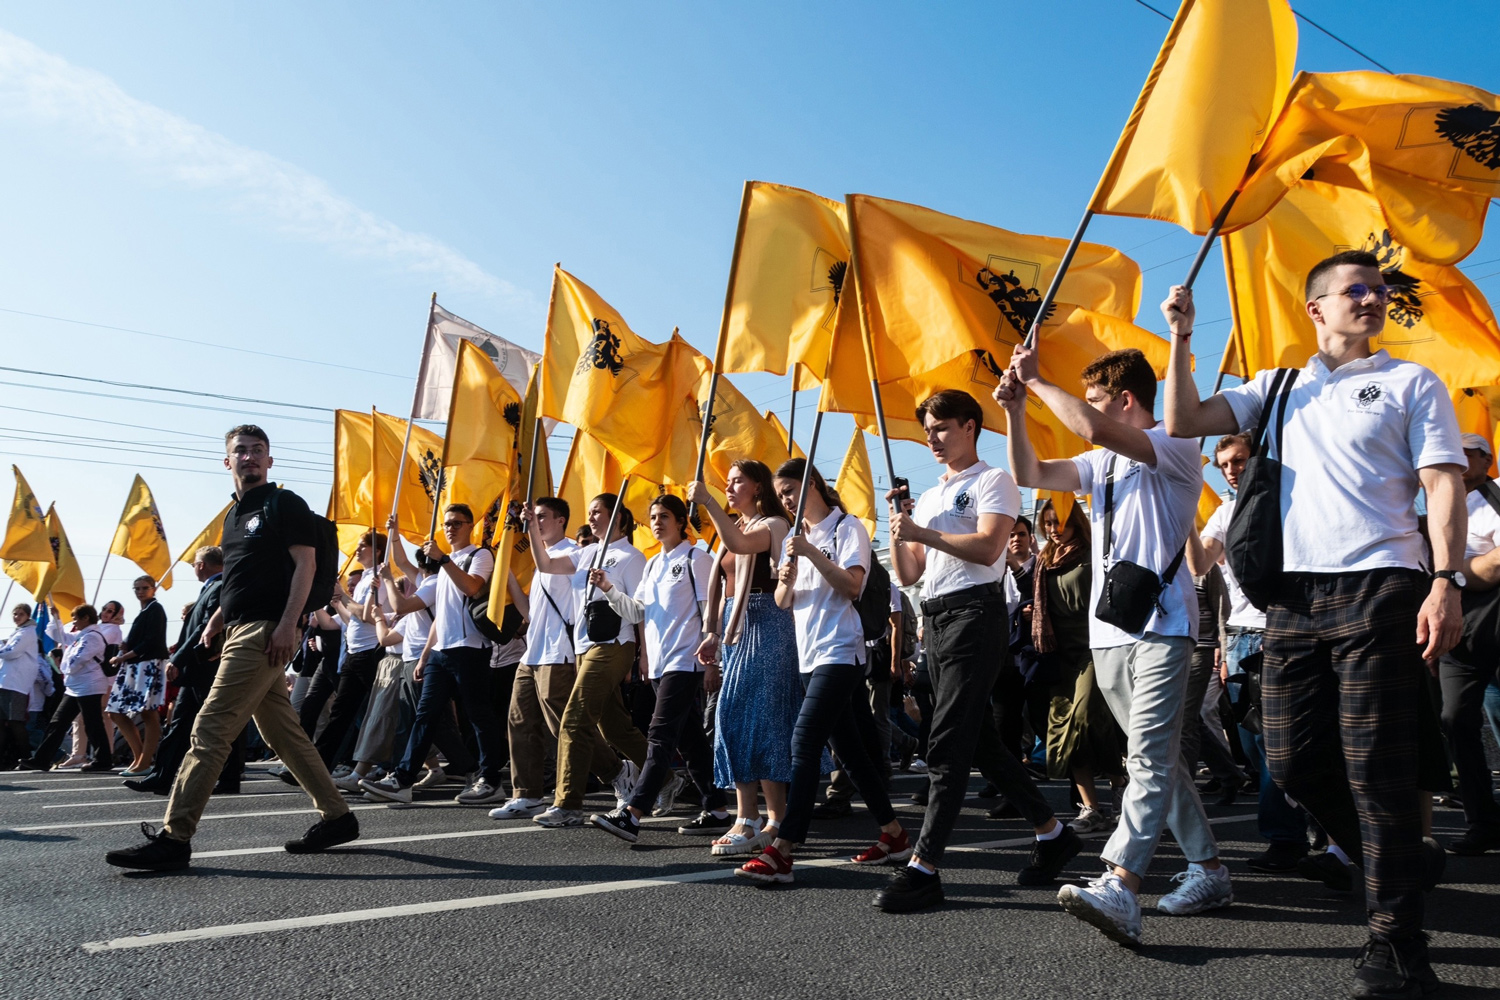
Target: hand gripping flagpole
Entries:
(713, 381)
(607, 540)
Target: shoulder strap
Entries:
(1109, 506)
(1491, 494)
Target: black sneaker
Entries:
(1328, 869)
(224, 787)
(1230, 791)
(1477, 840)
(833, 809)
(31, 765)
(1279, 857)
(989, 791)
(325, 833)
(99, 767)
(149, 785)
(911, 889)
(620, 823)
(1005, 809)
(1434, 863)
(1049, 856)
(707, 825)
(1393, 969)
(159, 853)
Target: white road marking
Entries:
(247, 815)
(118, 787)
(137, 801)
(365, 842)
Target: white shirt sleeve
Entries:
(1432, 427)
(1217, 528)
(1087, 466)
(999, 494)
(852, 547)
(1247, 399)
(1179, 460)
(703, 567)
(483, 564)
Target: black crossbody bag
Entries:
(1131, 591)
(1253, 544)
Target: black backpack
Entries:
(874, 602)
(326, 549)
(1253, 543)
(479, 610)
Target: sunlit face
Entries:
(549, 524)
(786, 492)
(248, 458)
(144, 590)
(1057, 534)
(112, 613)
(598, 517)
(947, 438)
(1019, 542)
(665, 527)
(1231, 461)
(741, 492)
(456, 529)
(19, 615)
(1099, 399)
(1340, 313)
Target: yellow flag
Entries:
(736, 430)
(212, 534)
(1426, 148)
(483, 440)
(58, 576)
(140, 536)
(26, 530)
(349, 502)
(790, 259)
(603, 379)
(775, 421)
(1218, 82)
(1478, 411)
(933, 287)
(419, 474)
(856, 482)
(1438, 318)
(591, 470)
(540, 484)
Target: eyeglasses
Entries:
(456, 524)
(1359, 292)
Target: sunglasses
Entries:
(1359, 292)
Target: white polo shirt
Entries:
(548, 632)
(1154, 511)
(671, 586)
(1242, 614)
(450, 606)
(1355, 438)
(953, 507)
(360, 636)
(828, 626)
(415, 626)
(623, 565)
(1484, 526)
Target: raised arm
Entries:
(1025, 465)
(1184, 414)
(1079, 417)
(748, 539)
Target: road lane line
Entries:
(137, 801)
(248, 815)
(366, 842)
(119, 787)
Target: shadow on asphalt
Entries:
(35, 838)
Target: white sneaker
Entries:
(387, 789)
(1201, 889)
(349, 782)
(553, 816)
(433, 776)
(667, 799)
(918, 766)
(1092, 821)
(1108, 904)
(625, 782)
(481, 793)
(519, 809)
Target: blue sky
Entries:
(295, 180)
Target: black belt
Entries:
(962, 598)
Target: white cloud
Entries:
(46, 89)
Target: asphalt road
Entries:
(437, 900)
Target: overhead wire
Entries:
(1301, 16)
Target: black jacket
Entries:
(191, 659)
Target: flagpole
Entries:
(416, 395)
(791, 420)
(1057, 277)
(614, 516)
(536, 436)
(713, 382)
(100, 584)
(812, 450)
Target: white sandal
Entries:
(735, 844)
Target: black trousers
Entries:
(176, 740)
(92, 707)
(677, 725)
(965, 647)
(325, 680)
(1463, 715)
(836, 709)
(15, 744)
(355, 682)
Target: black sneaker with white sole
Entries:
(325, 833)
(707, 825)
(1048, 857)
(620, 823)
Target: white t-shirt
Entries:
(953, 507)
(1154, 511)
(623, 565)
(18, 660)
(415, 626)
(111, 632)
(670, 589)
(1354, 439)
(450, 606)
(828, 626)
(360, 636)
(547, 632)
(1484, 526)
(1242, 614)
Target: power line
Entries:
(166, 402)
(141, 427)
(1303, 17)
(167, 388)
(203, 343)
(164, 468)
(129, 447)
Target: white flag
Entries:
(440, 358)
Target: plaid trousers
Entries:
(1341, 678)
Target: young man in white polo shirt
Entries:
(455, 662)
(954, 540)
(1144, 489)
(1353, 614)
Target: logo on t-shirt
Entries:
(676, 571)
(1369, 395)
(962, 502)
(252, 525)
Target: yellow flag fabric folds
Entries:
(1417, 142)
(791, 257)
(140, 536)
(1219, 80)
(419, 474)
(212, 534)
(58, 576)
(26, 529)
(350, 500)
(775, 421)
(603, 379)
(856, 482)
(1438, 318)
(482, 444)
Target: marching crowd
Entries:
(1109, 646)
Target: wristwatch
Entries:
(1453, 576)
(445, 560)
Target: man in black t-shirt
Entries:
(270, 556)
